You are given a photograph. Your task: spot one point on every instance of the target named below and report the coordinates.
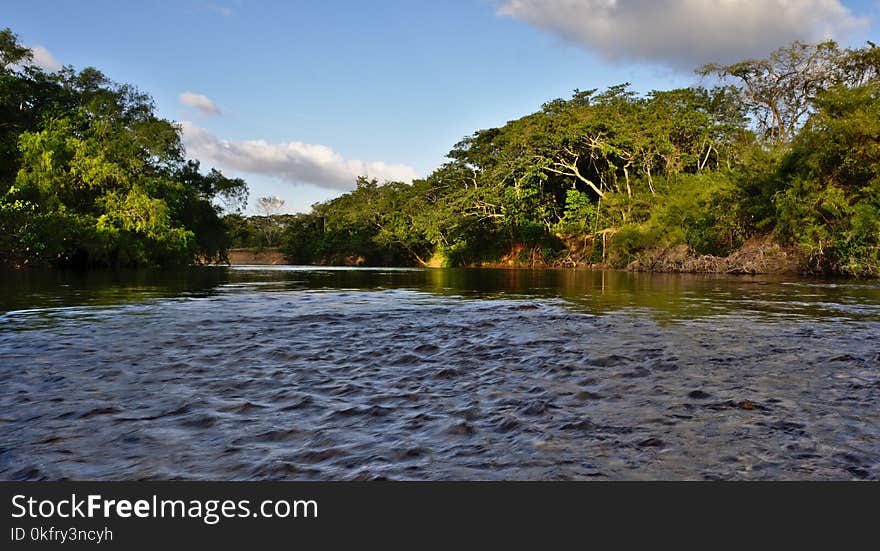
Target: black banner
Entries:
(254, 515)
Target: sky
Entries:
(299, 97)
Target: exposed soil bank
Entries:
(756, 256)
(256, 256)
(275, 257)
(760, 255)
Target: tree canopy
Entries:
(781, 147)
(90, 176)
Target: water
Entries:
(297, 373)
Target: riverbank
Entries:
(757, 256)
(760, 255)
(261, 257)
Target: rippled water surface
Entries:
(313, 373)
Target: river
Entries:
(241, 373)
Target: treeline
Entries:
(91, 177)
(785, 147)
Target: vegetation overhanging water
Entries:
(772, 167)
(322, 373)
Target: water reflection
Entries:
(668, 296)
(304, 373)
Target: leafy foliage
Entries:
(92, 177)
(831, 207)
(787, 146)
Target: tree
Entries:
(11, 51)
(779, 90)
(270, 208)
(831, 206)
(91, 176)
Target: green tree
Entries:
(779, 90)
(92, 177)
(831, 207)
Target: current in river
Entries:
(305, 373)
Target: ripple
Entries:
(295, 379)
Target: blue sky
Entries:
(298, 96)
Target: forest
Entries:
(780, 156)
(772, 158)
(90, 177)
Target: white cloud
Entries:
(200, 102)
(221, 10)
(294, 162)
(685, 34)
(44, 59)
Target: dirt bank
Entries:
(256, 256)
(759, 255)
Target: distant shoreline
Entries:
(246, 256)
(760, 257)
